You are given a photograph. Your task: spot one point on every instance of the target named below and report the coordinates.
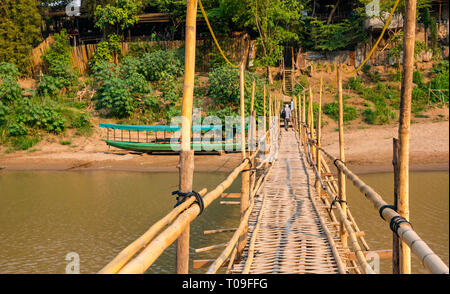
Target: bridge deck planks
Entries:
(290, 239)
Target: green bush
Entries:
(161, 64)
(9, 87)
(354, 84)
(59, 68)
(224, 88)
(382, 114)
(332, 110)
(137, 49)
(121, 90)
(105, 51)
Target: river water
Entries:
(46, 215)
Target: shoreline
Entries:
(367, 150)
(168, 163)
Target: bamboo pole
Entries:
(186, 154)
(252, 103)
(311, 121)
(395, 240)
(305, 129)
(404, 126)
(299, 116)
(342, 192)
(318, 124)
(245, 177)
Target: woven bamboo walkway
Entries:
(291, 239)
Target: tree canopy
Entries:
(19, 31)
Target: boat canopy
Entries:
(161, 128)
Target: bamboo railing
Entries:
(402, 229)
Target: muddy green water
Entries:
(46, 215)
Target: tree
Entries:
(385, 9)
(276, 22)
(19, 31)
(334, 36)
(117, 18)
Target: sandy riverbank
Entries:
(367, 150)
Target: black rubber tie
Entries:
(183, 196)
(393, 207)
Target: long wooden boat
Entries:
(164, 144)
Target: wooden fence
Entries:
(81, 54)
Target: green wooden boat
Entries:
(167, 147)
(163, 144)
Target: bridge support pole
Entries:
(318, 126)
(186, 173)
(342, 194)
(395, 239)
(404, 126)
(245, 185)
(305, 130)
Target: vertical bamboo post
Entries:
(252, 103)
(245, 174)
(283, 72)
(186, 173)
(299, 97)
(395, 239)
(294, 111)
(264, 108)
(318, 126)
(404, 126)
(311, 121)
(342, 194)
(305, 130)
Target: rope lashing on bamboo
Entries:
(395, 222)
(334, 201)
(214, 37)
(393, 207)
(181, 197)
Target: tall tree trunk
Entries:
(330, 17)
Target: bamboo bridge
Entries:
(294, 216)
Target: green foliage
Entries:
(276, 22)
(224, 86)
(354, 83)
(19, 32)
(161, 64)
(9, 87)
(332, 110)
(434, 42)
(59, 68)
(123, 90)
(26, 114)
(105, 51)
(382, 114)
(117, 17)
(137, 49)
(335, 36)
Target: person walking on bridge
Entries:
(286, 114)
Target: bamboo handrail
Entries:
(354, 241)
(242, 225)
(126, 254)
(153, 250)
(405, 232)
